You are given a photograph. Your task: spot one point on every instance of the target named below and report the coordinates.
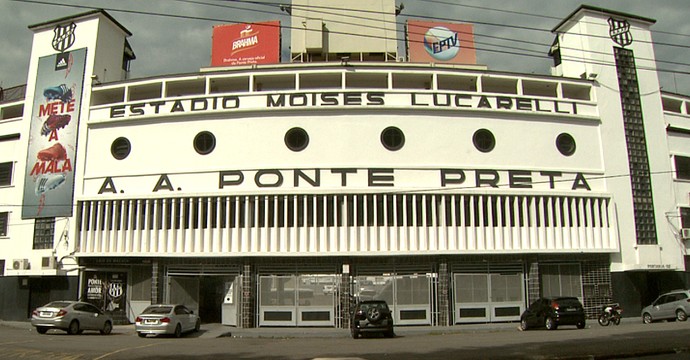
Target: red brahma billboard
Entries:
(246, 44)
(436, 42)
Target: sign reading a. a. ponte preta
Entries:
(246, 44)
(343, 178)
(49, 180)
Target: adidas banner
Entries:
(49, 180)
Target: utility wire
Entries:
(519, 52)
(540, 56)
(550, 17)
(520, 27)
(535, 53)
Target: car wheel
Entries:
(73, 328)
(523, 325)
(178, 331)
(354, 333)
(107, 328)
(681, 315)
(549, 324)
(141, 335)
(42, 330)
(197, 327)
(647, 318)
(581, 325)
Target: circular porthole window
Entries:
(204, 142)
(565, 144)
(120, 148)
(296, 139)
(392, 138)
(484, 140)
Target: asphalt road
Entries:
(632, 339)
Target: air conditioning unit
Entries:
(48, 262)
(20, 264)
(685, 233)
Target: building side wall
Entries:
(375, 26)
(587, 37)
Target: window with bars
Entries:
(685, 217)
(44, 231)
(682, 167)
(561, 280)
(633, 122)
(6, 173)
(4, 223)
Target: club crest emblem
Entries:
(619, 31)
(115, 290)
(64, 36)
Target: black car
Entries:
(552, 312)
(372, 316)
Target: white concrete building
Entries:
(279, 194)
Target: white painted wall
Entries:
(585, 38)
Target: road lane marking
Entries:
(17, 342)
(121, 350)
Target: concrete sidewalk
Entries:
(216, 330)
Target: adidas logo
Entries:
(62, 62)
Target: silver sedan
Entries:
(71, 316)
(162, 319)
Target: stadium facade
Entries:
(268, 193)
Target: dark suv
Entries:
(372, 316)
(552, 312)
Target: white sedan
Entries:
(173, 319)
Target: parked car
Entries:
(71, 316)
(372, 316)
(551, 312)
(167, 319)
(671, 305)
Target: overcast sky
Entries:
(178, 39)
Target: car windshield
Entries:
(158, 310)
(58, 304)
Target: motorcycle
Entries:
(610, 313)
